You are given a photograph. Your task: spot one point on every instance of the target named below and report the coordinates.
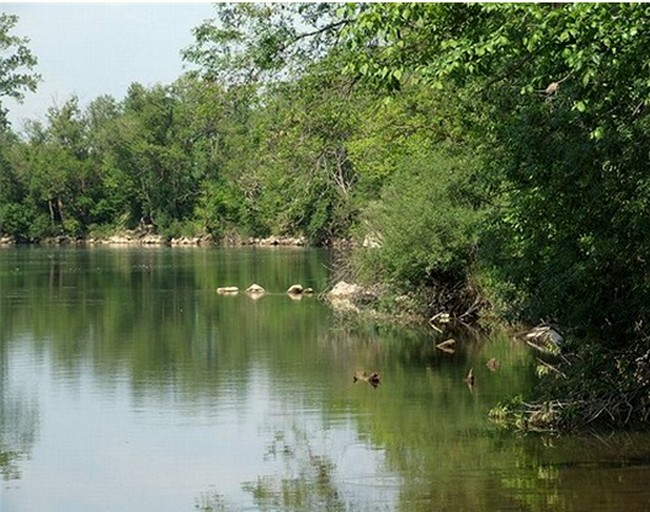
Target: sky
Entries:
(93, 49)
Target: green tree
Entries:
(15, 214)
(16, 61)
(556, 93)
(264, 43)
(217, 129)
(555, 96)
(298, 178)
(101, 193)
(308, 180)
(150, 165)
(51, 166)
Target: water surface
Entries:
(128, 384)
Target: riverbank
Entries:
(581, 386)
(149, 238)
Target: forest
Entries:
(496, 156)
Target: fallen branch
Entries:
(551, 367)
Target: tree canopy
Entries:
(16, 61)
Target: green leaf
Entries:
(598, 133)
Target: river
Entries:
(128, 384)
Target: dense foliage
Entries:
(497, 148)
(16, 62)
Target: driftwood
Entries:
(493, 364)
(439, 321)
(374, 378)
(447, 346)
(470, 378)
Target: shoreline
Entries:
(147, 238)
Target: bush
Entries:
(427, 226)
(177, 229)
(426, 222)
(15, 220)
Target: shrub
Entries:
(427, 225)
(426, 222)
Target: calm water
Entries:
(128, 384)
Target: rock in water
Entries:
(295, 289)
(227, 290)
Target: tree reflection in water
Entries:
(310, 485)
(18, 426)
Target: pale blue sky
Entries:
(94, 49)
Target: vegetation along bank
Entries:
(493, 157)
